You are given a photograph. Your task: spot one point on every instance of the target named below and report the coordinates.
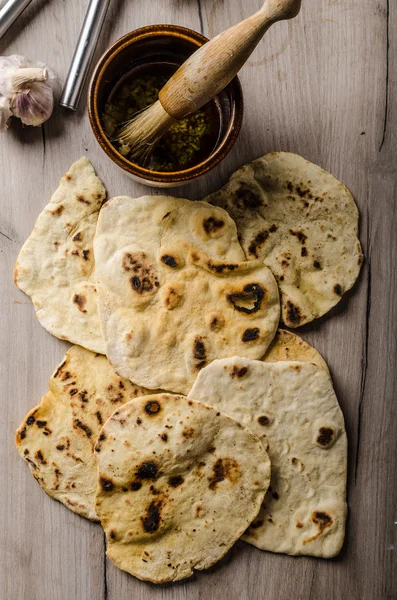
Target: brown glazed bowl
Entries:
(158, 44)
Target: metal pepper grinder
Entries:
(83, 54)
(10, 12)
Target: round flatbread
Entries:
(172, 293)
(178, 484)
(292, 407)
(57, 437)
(303, 223)
(55, 266)
(289, 346)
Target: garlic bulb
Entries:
(26, 91)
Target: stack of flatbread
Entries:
(184, 418)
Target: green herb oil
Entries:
(187, 142)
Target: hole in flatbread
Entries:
(248, 301)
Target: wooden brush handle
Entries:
(208, 71)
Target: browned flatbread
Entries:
(179, 483)
(57, 437)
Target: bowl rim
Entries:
(233, 127)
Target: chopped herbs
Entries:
(187, 142)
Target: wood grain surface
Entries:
(324, 86)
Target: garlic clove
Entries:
(34, 105)
(24, 77)
(5, 114)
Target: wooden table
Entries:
(324, 86)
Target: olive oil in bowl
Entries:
(187, 143)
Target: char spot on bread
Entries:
(250, 334)
(80, 301)
(326, 437)
(151, 521)
(152, 407)
(212, 225)
(169, 260)
(249, 300)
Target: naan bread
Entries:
(57, 437)
(289, 346)
(178, 484)
(292, 407)
(172, 293)
(55, 266)
(303, 223)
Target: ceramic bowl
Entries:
(156, 45)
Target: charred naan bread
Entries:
(292, 407)
(303, 223)
(55, 266)
(57, 437)
(178, 484)
(289, 346)
(172, 293)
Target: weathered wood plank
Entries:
(323, 86)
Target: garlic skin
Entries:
(26, 91)
(5, 113)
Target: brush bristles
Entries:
(144, 131)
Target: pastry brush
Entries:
(200, 78)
